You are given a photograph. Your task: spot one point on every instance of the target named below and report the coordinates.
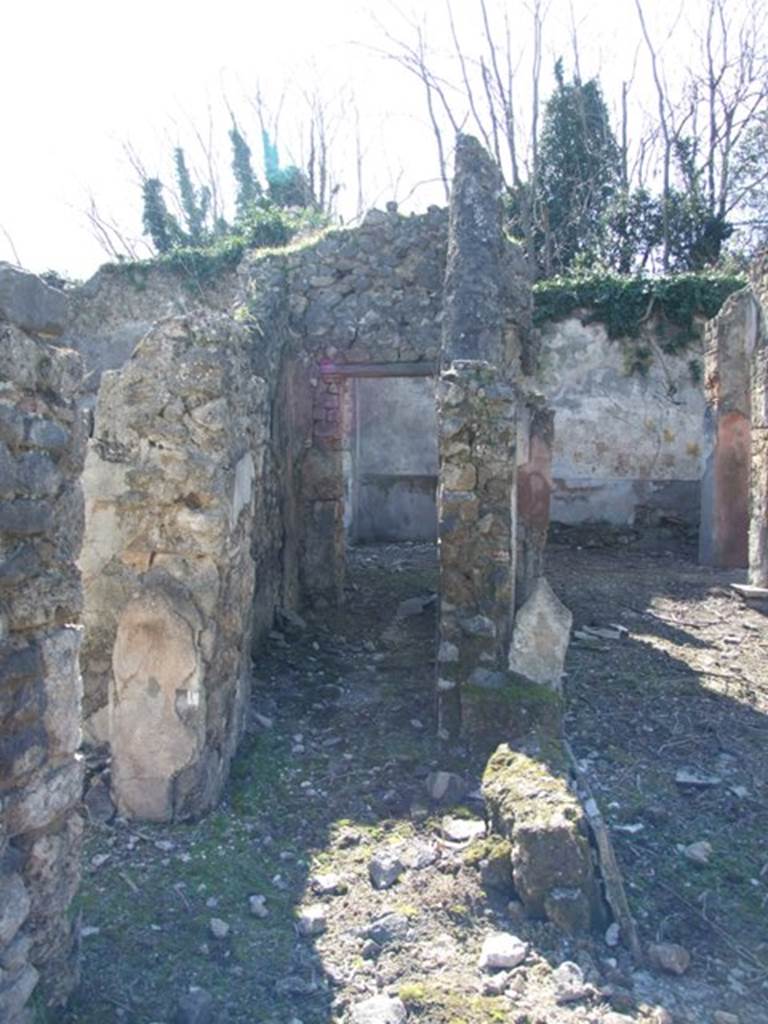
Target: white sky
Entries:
(81, 78)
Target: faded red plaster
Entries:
(534, 485)
(731, 491)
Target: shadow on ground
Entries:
(333, 770)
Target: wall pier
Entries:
(41, 522)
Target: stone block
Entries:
(14, 908)
(531, 804)
(46, 796)
(540, 637)
(60, 655)
(157, 702)
(28, 302)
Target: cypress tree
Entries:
(158, 223)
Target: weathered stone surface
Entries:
(540, 637)
(169, 560)
(669, 957)
(378, 1010)
(30, 303)
(501, 951)
(14, 907)
(158, 704)
(41, 445)
(729, 339)
(528, 796)
(758, 510)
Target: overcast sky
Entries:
(81, 79)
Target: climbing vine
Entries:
(624, 304)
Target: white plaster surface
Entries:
(620, 440)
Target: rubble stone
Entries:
(41, 521)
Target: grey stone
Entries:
(15, 992)
(540, 637)
(219, 928)
(195, 1007)
(462, 830)
(698, 853)
(502, 951)
(258, 906)
(328, 884)
(98, 803)
(569, 984)
(30, 303)
(384, 869)
(378, 1010)
(669, 957)
(388, 928)
(14, 907)
(312, 920)
(445, 787)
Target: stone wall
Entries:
(628, 448)
(758, 357)
(176, 526)
(729, 340)
(41, 521)
(109, 314)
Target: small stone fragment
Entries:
(723, 1017)
(540, 637)
(258, 905)
(669, 957)
(660, 1015)
(495, 984)
(445, 787)
(388, 928)
(612, 934)
(312, 920)
(462, 830)
(328, 884)
(384, 869)
(219, 929)
(419, 855)
(378, 1010)
(698, 853)
(694, 778)
(98, 803)
(502, 951)
(195, 1007)
(569, 983)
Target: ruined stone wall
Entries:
(725, 485)
(628, 448)
(41, 448)
(175, 521)
(372, 294)
(109, 314)
(758, 507)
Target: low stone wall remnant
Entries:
(41, 523)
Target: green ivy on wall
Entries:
(623, 304)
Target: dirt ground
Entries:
(332, 773)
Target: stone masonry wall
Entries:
(168, 563)
(41, 521)
(477, 415)
(758, 508)
(729, 339)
